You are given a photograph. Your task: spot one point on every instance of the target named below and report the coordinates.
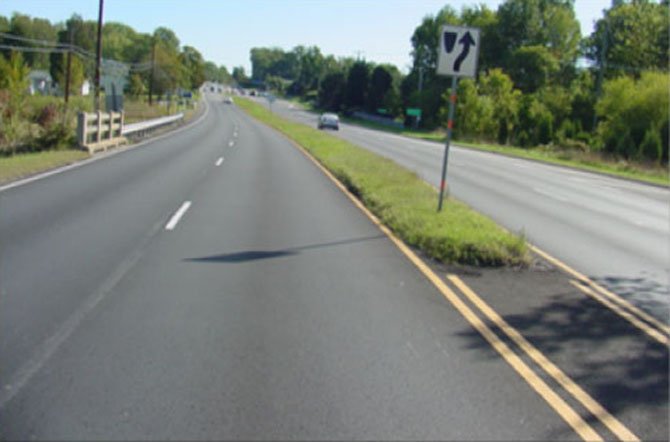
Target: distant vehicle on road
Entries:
(228, 100)
(329, 121)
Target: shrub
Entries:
(651, 146)
(47, 115)
(628, 109)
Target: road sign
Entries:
(459, 51)
(413, 112)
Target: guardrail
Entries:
(100, 130)
(143, 126)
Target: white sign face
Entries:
(458, 51)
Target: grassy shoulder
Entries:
(23, 165)
(403, 202)
(591, 162)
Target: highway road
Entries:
(215, 284)
(270, 308)
(615, 231)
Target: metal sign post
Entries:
(450, 125)
(457, 57)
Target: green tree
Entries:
(169, 73)
(167, 39)
(381, 84)
(194, 66)
(651, 147)
(532, 67)
(310, 69)
(117, 38)
(558, 101)
(499, 87)
(583, 101)
(13, 92)
(629, 108)
(536, 123)
(266, 61)
(548, 23)
(475, 114)
(34, 28)
(631, 37)
(83, 35)
(224, 75)
(14, 74)
(77, 74)
(332, 91)
(239, 75)
(357, 85)
(486, 20)
(136, 87)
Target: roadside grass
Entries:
(137, 110)
(591, 162)
(23, 165)
(404, 202)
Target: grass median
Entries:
(404, 202)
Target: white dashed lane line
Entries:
(177, 216)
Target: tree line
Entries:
(540, 82)
(156, 60)
(157, 64)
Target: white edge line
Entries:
(109, 154)
(177, 216)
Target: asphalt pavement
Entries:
(214, 284)
(615, 231)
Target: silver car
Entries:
(329, 121)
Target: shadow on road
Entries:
(256, 255)
(617, 364)
(647, 294)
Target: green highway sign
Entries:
(413, 112)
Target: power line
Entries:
(31, 40)
(29, 49)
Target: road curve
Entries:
(615, 231)
(216, 285)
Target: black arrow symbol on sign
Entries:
(466, 41)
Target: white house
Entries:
(40, 82)
(86, 88)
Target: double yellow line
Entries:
(551, 397)
(638, 318)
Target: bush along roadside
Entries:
(405, 203)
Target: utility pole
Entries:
(98, 57)
(153, 68)
(68, 70)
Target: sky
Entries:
(225, 30)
